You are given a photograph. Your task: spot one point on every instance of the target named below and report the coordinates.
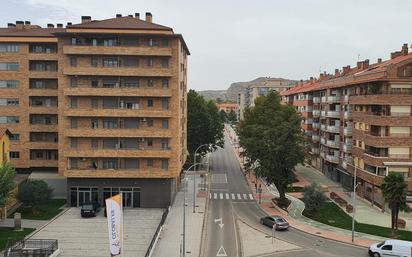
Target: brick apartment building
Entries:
(227, 107)
(360, 118)
(102, 102)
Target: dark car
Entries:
(277, 221)
(89, 209)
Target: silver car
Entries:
(277, 221)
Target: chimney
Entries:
(27, 23)
(59, 25)
(379, 60)
(130, 15)
(345, 69)
(118, 15)
(149, 17)
(19, 24)
(311, 79)
(365, 64)
(301, 82)
(321, 76)
(50, 26)
(137, 15)
(69, 24)
(395, 54)
(86, 19)
(359, 65)
(337, 73)
(11, 25)
(404, 50)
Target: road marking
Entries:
(251, 196)
(219, 178)
(210, 195)
(245, 196)
(220, 220)
(233, 197)
(227, 196)
(214, 196)
(221, 195)
(221, 252)
(239, 197)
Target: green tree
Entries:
(223, 115)
(313, 199)
(32, 192)
(204, 125)
(6, 182)
(232, 117)
(394, 191)
(273, 142)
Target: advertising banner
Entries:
(115, 224)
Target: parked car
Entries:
(89, 209)
(277, 221)
(398, 248)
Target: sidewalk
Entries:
(25, 223)
(364, 210)
(170, 240)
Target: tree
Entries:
(223, 115)
(231, 116)
(33, 192)
(313, 199)
(273, 142)
(204, 125)
(394, 191)
(6, 182)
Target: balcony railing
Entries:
(332, 143)
(347, 115)
(316, 113)
(315, 125)
(316, 100)
(332, 158)
(333, 114)
(315, 150)
(315, 138)
(323, 113)
(333, 129)
(347, 147)
(323, 127)
(347, 131)
(333, 99)
(345, 98)
(323, 141)
(324, 99)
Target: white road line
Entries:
(251, 196)
(214, 196)
(245, 196)
(210, 195)
(239, 197)
(221, 195)
(227, 196)
(233, 197)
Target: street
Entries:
(230, 202)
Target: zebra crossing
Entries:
(231, 196)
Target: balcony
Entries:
(43, 127)
(100, 132)
(316, 100)
(381, 120)
(332, 158)
(384, 99)
(333, 114)
(324, 99)
(323, 141)
(347, 147)
(142, 113)
(316, 125)
(118, 71)
(333, 99)
(118, 173)
(316, 113)
(378, 140)
(332, 143)
(315, 138)
(332, 129)
(43, 110)
(315, 150)
(347, 131)
(117, 50)
(43, 145)
(347, 115)
(323, 127)
(323, 113)
(345, 99)
(126, 91)
(114, 153)
(43, 163)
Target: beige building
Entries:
(102, 102)
(250, 91)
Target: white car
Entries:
(391, 248)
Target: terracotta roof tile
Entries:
(35, 32)
(120, 23)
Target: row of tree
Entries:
(230, 117)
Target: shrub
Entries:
(34, 192)
(313, 199)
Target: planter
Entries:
(349, 208)
(401, 223)
(332, 195)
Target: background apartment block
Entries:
(250, 91)
(103, 102)
(360, 118)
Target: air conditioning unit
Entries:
(144, 120)
(83, 158)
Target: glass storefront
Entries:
(80, 195)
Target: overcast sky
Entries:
(239, 40)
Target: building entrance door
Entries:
(127, 199)
(84, 196)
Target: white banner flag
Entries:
(115, 224)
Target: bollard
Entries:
(17, 221)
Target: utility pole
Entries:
(194, 177)
(184, 217)
(355, 185)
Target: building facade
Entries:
(250, 91)
(102, 102)
(227, 107)
(359, 120)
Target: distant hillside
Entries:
(213, 94)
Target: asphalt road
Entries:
(230, 199)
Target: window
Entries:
(95, 83)
(73, 164)
(131, 83)
(150, 122)
(94, 123)
(94, 143)
(36, 48)
(164, 143)
(8, 101)
(149, 163)
(9, 119)
(73, 142)
(110, 143)
(165, 124)
(15, 137)
(165, 164)
(14, 155)
(9, 83)
(94, 103)
(73, 82)
(165, 42)
(165, 104)
(8, 48)
(152, 42)
(73, 102)
(165, 63)
(110, 124)
(73, 61)
(109, 164)
(93, 62)
(110, 62)
(387, 247)
(165, 83)
(150, 103)
(149, 142)
(9, 66)
(109, 42)
(150, 82)
(150, 62)
(73, 123)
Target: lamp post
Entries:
(184, 212)
(194, 177)
(355, 185)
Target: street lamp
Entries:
(194, 177)
(355, 185)
(184, 211)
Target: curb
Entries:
(204, 230)
(50, 221)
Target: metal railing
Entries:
(158, 230)
(31, 247)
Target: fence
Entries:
(31, 247)
(156, 235)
